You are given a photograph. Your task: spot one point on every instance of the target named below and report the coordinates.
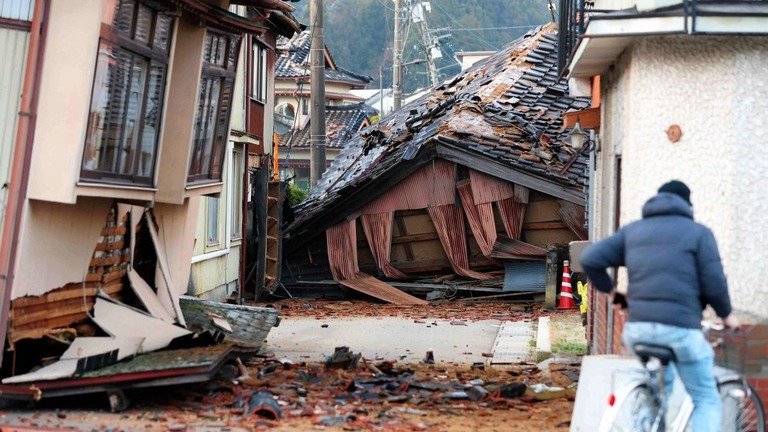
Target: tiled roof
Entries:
(342, 123)
(293, 61)
(504, 114)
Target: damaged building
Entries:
(472, 186)
(123, 131)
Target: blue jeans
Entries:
(694, 364)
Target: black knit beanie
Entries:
(678, 188)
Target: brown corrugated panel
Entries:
(383, 291)
(507, 248)
(573, 216)
(486, 188)
(431, 185)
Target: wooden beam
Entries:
(544, 226)
(588, 118)
(403, 233)
(496, 169)
(415, 238)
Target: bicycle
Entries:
(642, 406)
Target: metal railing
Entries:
(571, 27)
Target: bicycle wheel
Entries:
(742, 408)
(634, 411)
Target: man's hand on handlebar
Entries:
(620, 300)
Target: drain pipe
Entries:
(22, 153)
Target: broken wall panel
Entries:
(121, 321)
(176, 226)
(63, 237)
(33, 317)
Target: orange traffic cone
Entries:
(566, 292)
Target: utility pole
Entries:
(420, 17)
(397, 56)
(317, 95)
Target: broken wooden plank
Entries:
(162, 262)
(148, 297)
(121, 321)
(382, 291)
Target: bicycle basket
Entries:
(744, 351)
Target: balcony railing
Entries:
(575, 15)
(571, 26)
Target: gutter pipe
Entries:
(22, 155)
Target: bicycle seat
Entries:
(646, 351)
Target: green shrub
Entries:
(295, 194)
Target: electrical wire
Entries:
(495, 48)
(495, 28)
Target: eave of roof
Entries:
(220, 17)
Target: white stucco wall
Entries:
(715, 89)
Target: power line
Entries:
(462, 27)
(495, 28)
(384, 5)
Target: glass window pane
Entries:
(264, 73)
(152, 112)
(132, 136)
(209, 46)
(222, 129)
(233, 52)
(212, 227)
(210, 126)
(143, 24)
(162, 32)
(99, 132)
(237, 193)
(199, 142)
(220, 51)
(116, 112)
(124, 20)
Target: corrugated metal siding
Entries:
(525, 276)
(17, 9)
(13, 43)
(432, 185)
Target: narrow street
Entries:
(392, 390)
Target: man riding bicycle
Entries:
(674, 272)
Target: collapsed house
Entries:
(473, 182)
(119, 140)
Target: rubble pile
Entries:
(451, 310)
(380, 395)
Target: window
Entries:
(304, 107)
(236, 196)
(212, 220)
(127, 97)
(285, 116)
(213, 107)
(259, 71)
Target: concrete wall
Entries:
(714, 88)
(65, 99)
(56, 243)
